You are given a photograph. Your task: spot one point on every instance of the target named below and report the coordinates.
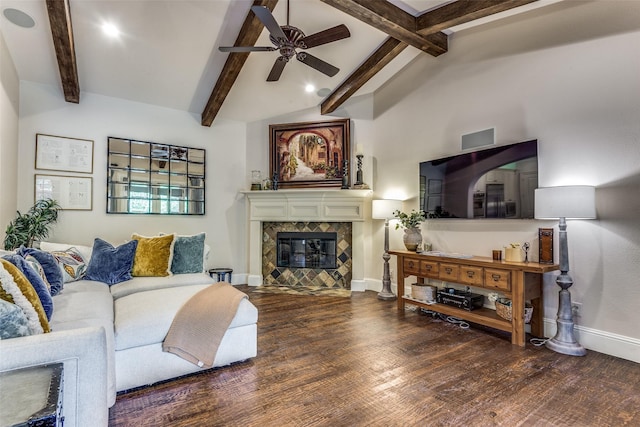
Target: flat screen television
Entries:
(498, 182)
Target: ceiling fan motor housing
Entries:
(294, 40)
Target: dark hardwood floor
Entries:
(327, 361)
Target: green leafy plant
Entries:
(411, 220)
(33, 225)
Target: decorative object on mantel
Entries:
(385, 209)
(412, 236)
(256, 180)
(345, 175)
(360, 185)
(310, 154)
(573, 202)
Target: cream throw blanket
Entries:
(200, 324)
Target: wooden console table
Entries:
(518, 281)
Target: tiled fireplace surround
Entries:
(307, 209)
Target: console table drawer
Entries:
(411, 266)
(429, 268)
(471, 275)
(497, 279)
(449, 272)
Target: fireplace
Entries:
(307, 210)
(306, 250)
(307, 254)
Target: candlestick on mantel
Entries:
(359, 150)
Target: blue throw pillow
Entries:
(50, 265)
(13, 321)
(36, 281)
(188, 254)
(109, 264)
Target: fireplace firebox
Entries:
(306, 250)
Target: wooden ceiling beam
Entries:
(394, 21)
(462, 11)
(62, 34)
(249, 33)
(374, 63)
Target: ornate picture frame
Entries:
(310, 154)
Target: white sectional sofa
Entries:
(110, 340)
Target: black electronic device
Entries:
(459, 298)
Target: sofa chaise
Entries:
(110, 338)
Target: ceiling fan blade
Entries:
(246, 48)
(267, 19)
(317, 63)
(327, 36)
(277, 68)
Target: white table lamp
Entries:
(384, 209)
(569, 202)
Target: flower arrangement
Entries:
(411, 220)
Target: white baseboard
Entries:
(358, 285)
(254, 279)
(601, 341)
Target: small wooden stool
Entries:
(221, 273)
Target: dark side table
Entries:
(32, 396)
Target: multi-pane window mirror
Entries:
(149, 178)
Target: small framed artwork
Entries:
(309, 154)
(59, 153)
(71, 192)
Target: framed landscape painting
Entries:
(311, 154)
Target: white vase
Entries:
(412, 238)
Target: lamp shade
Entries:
(576, 201)
(384, 209)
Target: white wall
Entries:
(96, 117)
(9, 107)
(580, 99)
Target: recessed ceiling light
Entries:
(19, 18)
(309, 88)
(324, 91)
(110, 30)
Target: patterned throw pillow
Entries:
(188, 254)
(153, 255)
(38, 268)
(71, 264)
(16, 289)
(111, 265)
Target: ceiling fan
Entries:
(287, 39)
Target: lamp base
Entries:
(386, 296)
(569, 348)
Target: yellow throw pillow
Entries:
(24, 295)
(153, 255)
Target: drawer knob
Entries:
(470, 273)
(428, 267)
(495, 277)
(411, 264)
(448, 270)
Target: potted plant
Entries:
(33, 225)
(410, 221)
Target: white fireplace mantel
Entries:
(312, 205)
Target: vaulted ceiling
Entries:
(168, 55)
